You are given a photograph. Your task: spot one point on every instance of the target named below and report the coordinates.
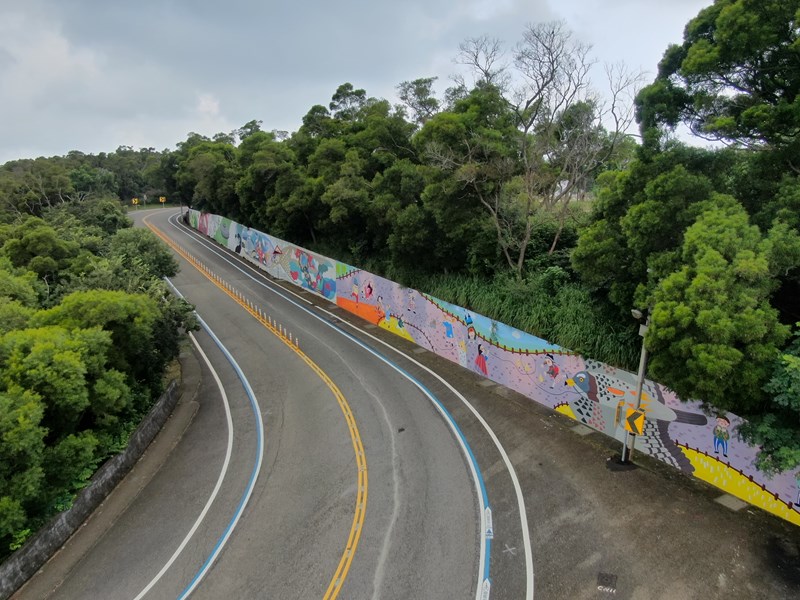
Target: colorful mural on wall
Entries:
(280, 259)
(591, 392)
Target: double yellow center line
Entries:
(337, 581)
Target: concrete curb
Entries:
(168, 416)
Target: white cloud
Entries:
(39, 60)
(207, 106)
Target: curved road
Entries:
(403, 519)
(364, 489)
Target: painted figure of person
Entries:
(722, 435)
(412, 302)
(462, 353)
(480, 361)
(355, 290)
(261, 250)
(552, 368)
(448, 329)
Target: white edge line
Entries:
(217, 487)
(512, 472)
(253, 476)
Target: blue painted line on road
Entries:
(256, 467)
(420, 385)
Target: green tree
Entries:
(106, 214)
(347, 101)
(399, 221)
(419, 97)
(56, 365)
(89, 181)
(736, 77)
(714, 334)
(39, 247)
(248, 129)
(37, 184)
(154, 258)
(21, 451)
(561, 144)
(17, 284)
(639, 219)
(776, 430)
(209, 175)
(263, 161)
(129, 318)
(473, 147)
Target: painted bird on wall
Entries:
(605, 394)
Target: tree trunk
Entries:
(311, 230)
(523, 248)
(558, 235)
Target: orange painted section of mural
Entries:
(367, 312)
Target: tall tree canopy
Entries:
(735, 78)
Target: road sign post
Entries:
(627, 453)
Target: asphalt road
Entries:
(595, 532)
(420, 532)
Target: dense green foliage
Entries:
(86, 330)
(512, 196)
(709, 240)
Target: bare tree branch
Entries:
(567, 129)
(484, 56)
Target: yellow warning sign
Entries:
(634, 421)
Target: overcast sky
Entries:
(92, 75)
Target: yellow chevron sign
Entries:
(634, 421)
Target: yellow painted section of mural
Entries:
(394, 326)
(565, 409)
(718, 474)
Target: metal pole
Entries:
(627, 454)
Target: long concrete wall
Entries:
(591, 392)
(22, 565)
